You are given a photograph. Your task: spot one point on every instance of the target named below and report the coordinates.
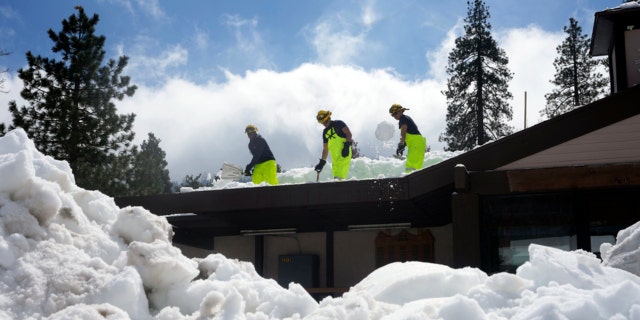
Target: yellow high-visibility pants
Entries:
(339, 164)
(265, 171)
(416, 147)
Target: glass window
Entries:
(515, 222)
(568, 221)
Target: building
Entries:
(570, 182)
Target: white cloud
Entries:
(341, 38)
(12, 86)
(8, 12)
(369, 16)
(336, 47)
(531, 52)
(125, 3)
(201, 39)
(201, 125)
(151, 7)
(438, 59)
(237, 22)
(142, 66)
(249, 44)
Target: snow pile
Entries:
(67, 252)
(70, 253)
(626, 253)
(628, 5)
(554, 284)
(361, 168)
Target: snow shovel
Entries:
(231, 172)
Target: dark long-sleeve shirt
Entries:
(411, 126)
(260, 150)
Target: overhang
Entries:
(602, 38)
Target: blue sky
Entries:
(207, 68)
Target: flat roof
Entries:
(422, 198)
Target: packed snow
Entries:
(70, 253)
(384, 166)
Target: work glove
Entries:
(320, 165)
(247, 170)
(400, 150)
(345, 149)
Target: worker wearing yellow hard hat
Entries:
(410, 138)
(263, 167)
(337, 141)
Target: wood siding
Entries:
(617, 143)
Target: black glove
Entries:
(400, 150)
(320, 165)
(247, 170)
(345, 149)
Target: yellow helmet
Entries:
(323, 116)
(250, 128)
(396, 107)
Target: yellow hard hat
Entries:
(396, 107)
(323, 116)
(250, 128)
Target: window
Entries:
(565, 220)
(403, 246)
(514, 222)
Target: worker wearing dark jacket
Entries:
(337, 141)
(410, 138)
(263, 162)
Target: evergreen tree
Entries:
(196, 182)
(149, 173)
(577, 81)
(71, 115)
(477, 89)
(2, 125)
(5, 70)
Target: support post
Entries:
(465, 222)
(329, 256)
(259, 254)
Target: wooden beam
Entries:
(461, 178)
(583, 177)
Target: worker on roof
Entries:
(263, 162)
(336, 139)
(410, 138)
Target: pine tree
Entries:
(5, 70)
(71, 115)
(149, 174)
(577, 81)
(2, 125)
(477, 89)
(196, 182)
